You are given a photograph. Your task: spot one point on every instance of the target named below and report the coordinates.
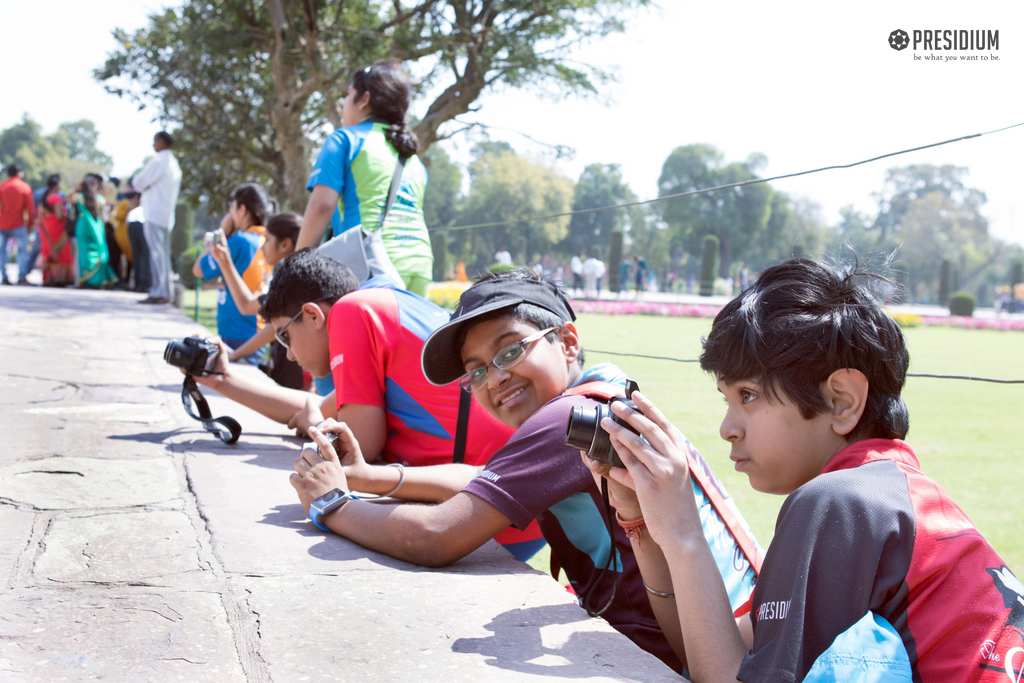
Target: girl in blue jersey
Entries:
(354, 170)
(248, 208)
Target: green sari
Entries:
(93, 258)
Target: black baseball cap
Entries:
(442, 360)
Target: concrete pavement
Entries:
(138, 547)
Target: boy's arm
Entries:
(657, 469)
(428, 535)
(256, 342)
(245, 300)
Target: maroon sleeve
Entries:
(535, 469)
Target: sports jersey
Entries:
(376, 338)
(872, 539)
(537, 476)
(247, 256)
(358, 163)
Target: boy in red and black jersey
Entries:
(874, 572)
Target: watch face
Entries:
(329, 497)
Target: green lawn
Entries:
(962, 431)
(207, 312)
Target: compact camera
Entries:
(193, 355)
(585, 433)
(213, 236)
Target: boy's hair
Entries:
(165, 138)
(801, 321)
(285, 226)
(306, 276)
(541, 318)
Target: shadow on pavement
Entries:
(573, 659)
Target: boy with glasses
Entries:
(368, 339)
(513, 343)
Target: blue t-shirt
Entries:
(248, 259)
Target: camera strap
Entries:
(225, 428)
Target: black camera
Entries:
(193, 355)
(585, 433)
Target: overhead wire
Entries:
(909, 374)
(752, 181)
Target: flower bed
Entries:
(612, 307)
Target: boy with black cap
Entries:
(512, 342)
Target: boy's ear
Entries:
(847, 389)
(316, 314)
(571, 345)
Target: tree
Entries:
(510, 189)
(444, 189)
(790, 222)
(78, 140)
(71, 151)
(735, 216)
(600, 185)
(251, 85)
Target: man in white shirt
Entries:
(159, 181)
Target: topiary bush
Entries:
(709, 265)
(962, 303)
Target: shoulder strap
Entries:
(393, 192)
(462, 426)
(604, 391)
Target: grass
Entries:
(207, 307)
(962, 431)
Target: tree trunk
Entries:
(295, 150)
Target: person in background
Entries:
(119, 219)
(17, 213)
(55, 244)
(354, 171)
(282, 231)
(94, 269)
(243, 231)
(135, 220)
(119, 209)
(159, 181)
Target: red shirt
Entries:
(15, 202)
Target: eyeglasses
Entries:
(281, 335)
(503, 360)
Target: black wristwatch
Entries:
(330, 501)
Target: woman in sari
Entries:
(58, 269)
(93, 259)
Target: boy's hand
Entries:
(309, 416)
(220, 253)
(658, 468)
(319, 471)
(220, 366)
(621, 489)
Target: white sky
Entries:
(809, 84)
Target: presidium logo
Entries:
(961, 41)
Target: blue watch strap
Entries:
(315, 514)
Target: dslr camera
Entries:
(194, 356)
(584, 430)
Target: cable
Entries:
(909, 374)
(731, 185)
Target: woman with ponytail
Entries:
(354, 170)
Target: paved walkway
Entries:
(138, 547)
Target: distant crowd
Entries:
(98, 235)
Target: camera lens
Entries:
(178, 353)
(583, 425)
